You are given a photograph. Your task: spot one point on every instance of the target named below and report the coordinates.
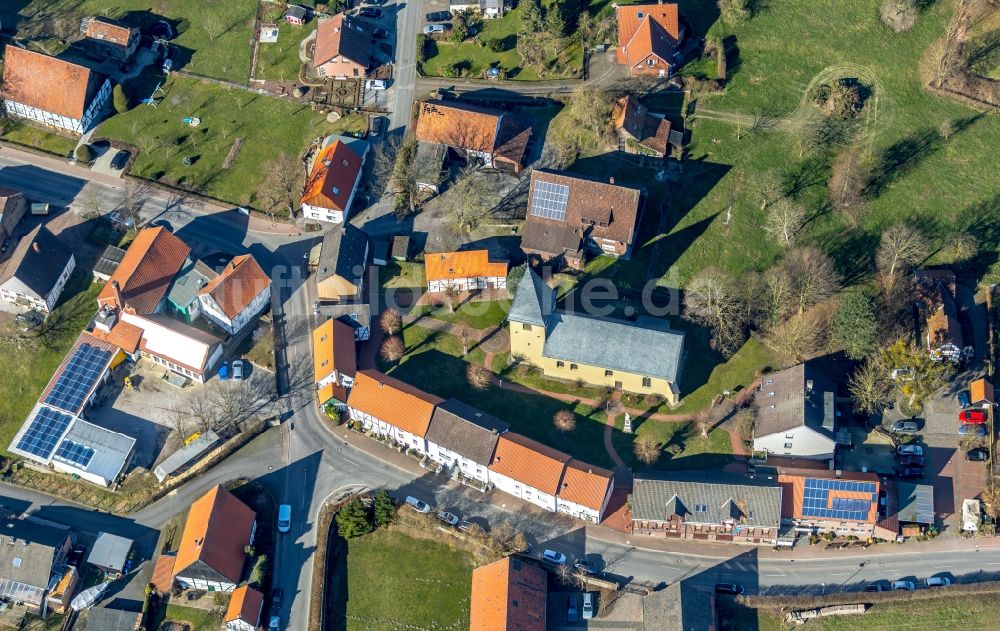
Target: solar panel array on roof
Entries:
(816, 501)
(78, 378)
(75, 453)
(549, 200)
(44, 432)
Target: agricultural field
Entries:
(428, 586)
(213, 39)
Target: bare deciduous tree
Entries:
(226, 407)
(703, 421)
(450, 293)
(647, 450)
(392, 349)
(590, 109)
(467, 201)
(900, 248)
(785, 218)
(90, 202)
(564, 420)
(478, 376)
(713, 299)
(812, 276)
(870, 386)
(282, 185)
(797, 338)
(465, 336)
(391, 322)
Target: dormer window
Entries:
(640, 15)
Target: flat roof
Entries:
(110, 552)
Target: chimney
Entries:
(611, 180)
(36, 247)
(809, 385)
(118, 294)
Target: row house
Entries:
(464, 271)
(390, 408)
(462, 437)
(335, 361)
(707, 506)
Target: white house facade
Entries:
(800, 442)
(17, 293)
(468, 284)
(466, 466)
(90, 117)
(214, 313)
(388, 430)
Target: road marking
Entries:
(840, 574)
(774, 575)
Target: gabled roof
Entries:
(651, 131)
(333, 349)
(38, 261)
(647, 347)
(980, 391)
(217, 529)
(110, 259)
(599, 208)
(508, 595)
(345, 36)
(343, 253)
(529, 462)
(793, 495)
(335, 172)
(245, 604)
(392, 401)
(105, 619)
(795, 397)
(146, 271)
(458, 124)
(466, 264)
(27, 551)
(465, 430)
(237, 286)
(50, 84)
(534, 300)
(107, 30)
(679, 606)
(191, 278)
(707, 498)
(647, 29)
(585, 484)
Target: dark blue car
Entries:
(975, 430)
(963, 399)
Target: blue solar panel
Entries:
(816, 500)
(44, 432)
(550, 200)
(78, 378)
(75, 453)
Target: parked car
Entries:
(905, 427)
(911, 460)
(284, 518)
(910, 472)
(370, 12)
(582, 566)
(238, 370)
(438, 16)
(972, 416)
(371, 3)
(910, 449)
(418, 505)
(729, 588)
(963, 399)
(875, 587)
(376, 84)
(979, 454)
(552, 556)
(448, 518)
(243, 210)
(436, 29)
(907, 585)
(224, 371)
(465, 525)
(588, 605)
(572, 615)
(120, 160)
(967, 429)
(276, 596)
(274, 624)
(378, 125)
(938, 581)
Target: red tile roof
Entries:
(334, 174)
(508, 595)
(245, 604)
(146, 270)
(646, 29)
(793, 494)
(334, 349)
(107, 31)
(390, 400)
(50, 84)
(529, 462)
(343, 35)
(217, 529)
(585, 485)
(124, 335)
(466, 264)
(236, 287)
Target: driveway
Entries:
(102, 163)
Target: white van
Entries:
(284, 518)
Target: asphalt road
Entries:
(405, 66)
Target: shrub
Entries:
(352, 520)
(84, 154)
(259, 571)
(422, 44)
(899, 15)
(385, 509)
(840, 99)
(564, 420)
(734, 11)
(496, 45)
(119, 99)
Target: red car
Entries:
(972, 416)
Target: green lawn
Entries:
(401, 274)
(473, 58)
(941, 184)
(268, 126)
(281, 59)
(699, 452)
(957, 610)
(197, 619)
(22, 381)
(213, 38)
(479, 314)
(29, 136)
(394, 581)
